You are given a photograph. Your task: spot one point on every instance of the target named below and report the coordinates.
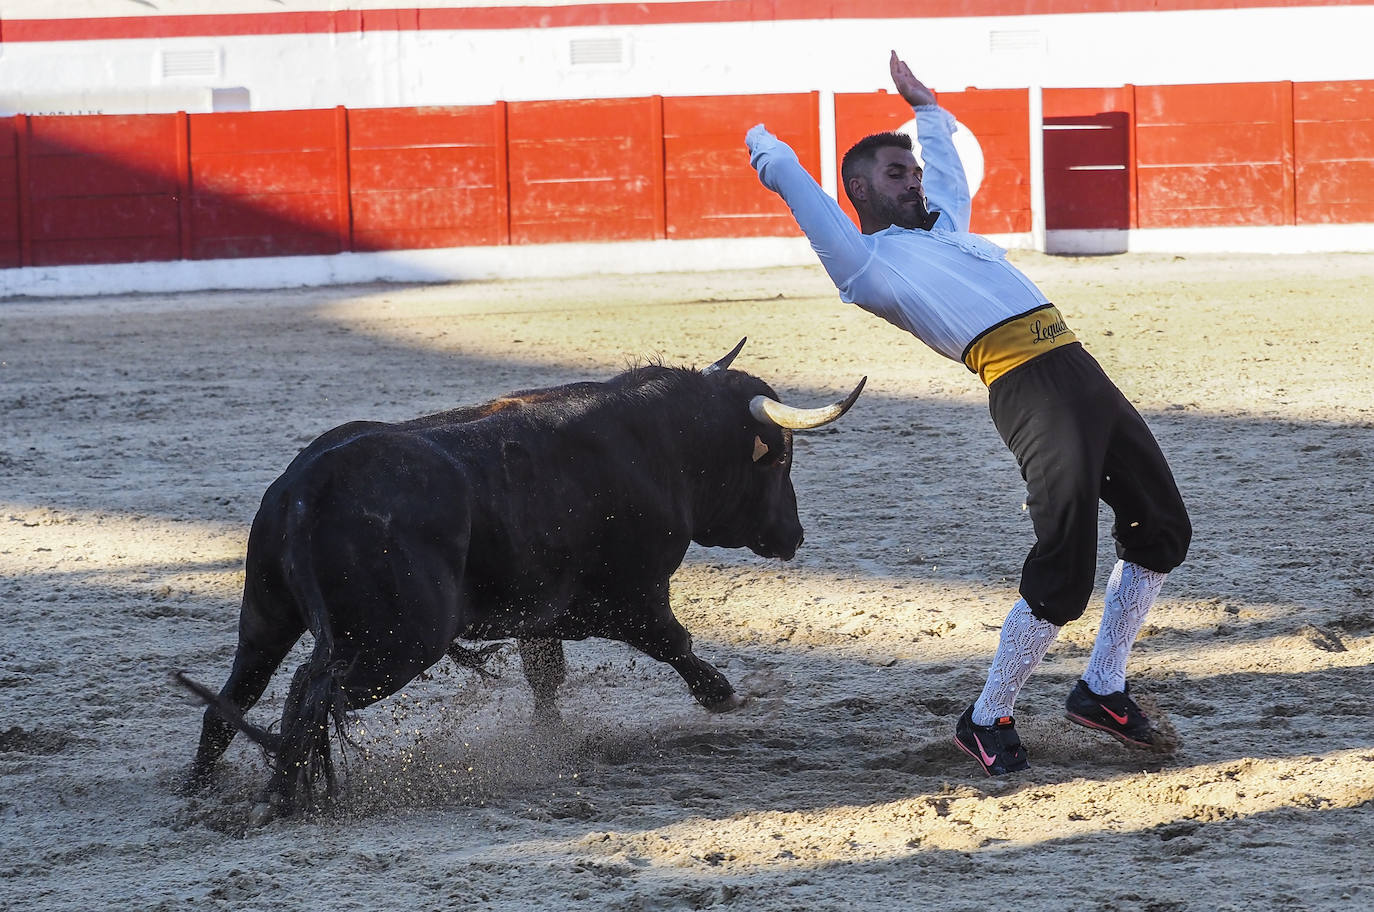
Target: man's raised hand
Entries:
(912, 90)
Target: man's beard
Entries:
(896, 211)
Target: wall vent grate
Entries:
(596, 51)
(1015, 40)
(190, 63)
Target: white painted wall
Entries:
(480, 66)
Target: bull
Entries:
(545, 515)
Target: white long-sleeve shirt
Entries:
(945, 286)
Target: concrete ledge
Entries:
(455, 264)
(1284, 239)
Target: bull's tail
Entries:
(316, 702)
(270, 742)
(317, 696)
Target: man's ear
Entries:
(858, 189)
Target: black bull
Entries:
(547, 515)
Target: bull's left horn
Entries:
(771, 411)
(724, 363)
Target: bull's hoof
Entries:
(263, 813)
(269, 807)
(729, 704)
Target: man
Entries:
(1074, 435)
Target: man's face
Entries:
(894, 188)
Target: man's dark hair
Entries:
(864, 153)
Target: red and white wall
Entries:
(268, 143)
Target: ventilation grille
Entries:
(181, 64)
(1014, 41)
(596, 51)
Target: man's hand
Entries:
(757, 134)
(912, 90)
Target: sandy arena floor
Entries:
(138, 434)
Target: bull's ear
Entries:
(760, 449)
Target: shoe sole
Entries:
(1097, 726)
(978, 760)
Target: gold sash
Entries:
(1013, 342)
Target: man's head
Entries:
(883, 181)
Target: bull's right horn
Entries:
(771, 411)
(724, 363)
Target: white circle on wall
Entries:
(965, 143)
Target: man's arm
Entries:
(843, 251)
(944, 182)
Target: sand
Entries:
(139, 433)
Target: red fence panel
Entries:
(266, 183)
(1089, 158)
(999, 118)
(9, 191)
(586, 170)
(1333, 134)
(711, 192)
(96, 189)
(1214, 155)
(101, 189)
(428, 177)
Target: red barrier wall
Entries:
(1215, 155)
(586, 170)
(1333, 141)
(1000, 119)
(997, 117)
(101, 189)
(710, 189)
(268, 183)
(428, 177)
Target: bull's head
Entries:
(765, 518)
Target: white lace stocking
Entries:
(1025, 640)
(1130, 593)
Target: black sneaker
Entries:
(996, 747)
(1116, 714)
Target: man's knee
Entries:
(1057, 598)
(1165, 549)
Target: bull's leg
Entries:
(545, 668)
(254, 665)
(663, 638)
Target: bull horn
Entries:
(771, 411)
(723, 363)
